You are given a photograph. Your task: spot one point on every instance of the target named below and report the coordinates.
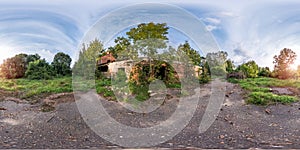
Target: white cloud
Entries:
(212, 20)
(211, 27)
(258, 28)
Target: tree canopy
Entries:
(250, 69)
(283, 63)
(62, 64)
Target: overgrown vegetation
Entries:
(260, 93)
(30, 88)
(35, 68)
(31, 76)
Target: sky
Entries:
(246, 30)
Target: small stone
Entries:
(268, 111)
(170, 144)
(221, 136)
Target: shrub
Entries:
(236, 75)
(250, 69)
(38, 70)
(262, 98)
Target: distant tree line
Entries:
(33, 67)
(282, 67)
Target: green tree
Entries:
(191, 53)
(61, 64)
(264, 72)
(217, 63)
(250, 69)
(39, 70)
(148, 38)
(86, 64)
(229, 66)
(283, 62)
(31, 58)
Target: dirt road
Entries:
(238, 125)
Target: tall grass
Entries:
(29, 88)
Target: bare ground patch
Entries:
(237, 126)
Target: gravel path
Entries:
(237, 126)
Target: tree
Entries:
(264, 72)
(283, 62)
(217, 63)
(229, 66)
(13, 68)
(250, 69)
(86, 64)
(39, 70)
(32, 58)
(61, 64)
(191, 53)
(148, 38)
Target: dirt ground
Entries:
(238, 125)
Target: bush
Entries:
(39, 70)
(264, 72)
(262, 98)
(250, 69)
(204, 79)
(236, 75)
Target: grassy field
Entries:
(27, 89)
(30, 88)
(259, 90)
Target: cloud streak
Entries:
(246, 30)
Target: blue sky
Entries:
(246, 30)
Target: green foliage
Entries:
(31, 88)
(139, 91)
(264, 72)
(16, 66)
(38, 70)
(86, 64)
(174, 85)
(217, 63)
(123, 49)
(61, 64)
(262, 98)
(250, 69)
(260, 93)
(229, 66)
(204, 78)
(283, 62)
(191, 53)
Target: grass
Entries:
(30, 88)
(259, 90)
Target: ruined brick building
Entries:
(109, 66)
